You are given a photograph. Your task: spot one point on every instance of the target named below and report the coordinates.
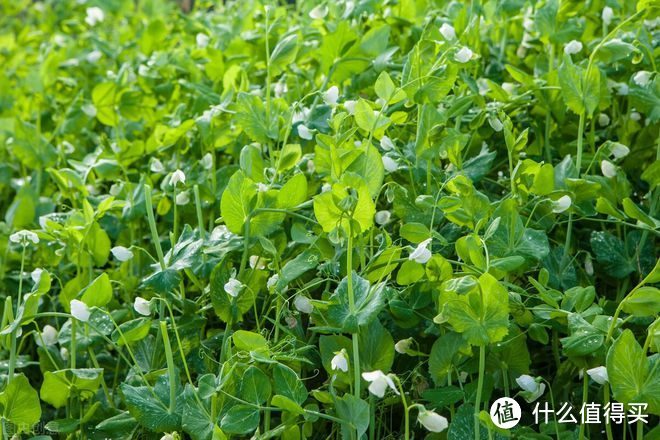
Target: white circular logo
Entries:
(505, 413)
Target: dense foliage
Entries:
(358, 219)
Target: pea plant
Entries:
(329, 220)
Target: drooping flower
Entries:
(202, 40)
(532, 389)
(79, 310)
(432, 421)
(635, 116)
(464, 55)
(48, 336)
(36, 275)
(94, 56)
(350, 106)
(572, 47)
(178, 176)
(421, 254)
(331, 96)
(304, 132)
(495, 123)
(603, 120)
(319, 12)
(599, 375)
(142, 306)
(94, 15)
(156, 166)
(608, 168)
(379, 382)
(390, 164)
(233, 287)
(382, 217)
(561, 204)
(256, 262)
(182, 198)
(607, 15)
(386, 143)
(448, 31)
(642, 78)
(272, 282)
(303, 304)
(618, 150)
(340, 361)
(403, 345)
(121, 253)
(23, 237)
(588, 265)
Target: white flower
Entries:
(262, 187)
(156, 166)
(464, 55)
(350, 106)
(319, 12)
(202, 40)
(532, 390)
(573, 47)
(207, 161)
(64, 353)
(619, 150)
(382, 217)
(421, 254)
(635, 116)
(94, 15)
(304, 132)
(311, 166)
(622, 89)
(36, 275)
(495, 123)
(528, 24)
(386, 143)
(303, 304)
(178, 176)
(599, 375)
(256, 262)
(93, 56)
(603, 120)
(607, 15)
(642, 78)
(23, 236)
(326, 187)
(608, 168)
(403, 345)
(142, 306)
(182, 198)
(562, 204)
(588, 266)
(378, 382)
(121, 253)
(233, 287)
(272, 282)
(168, 437)
(508, 87)
(339, 361)
(48, 336)
(447, 31)
(79, 310)
(280, 89)
(331, 96)
(432, 421)
(390, 164)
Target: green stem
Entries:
(152, 226)
(585, 396)
(72, 351)
(170, 364)
(198, 209)
(175, 228)
(640, 431)
(606, 401)
(12, 348)
(351, 305)
(406, 409)
(578, 160)
(480, 386)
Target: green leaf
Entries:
(284, 54)
(255, 386)
(286, 404)
(611, 254)
(104, 97)
(354, 412)
(151, 409)
(20, 404)
(252, 118)
(370, 120)
(644, 301)
(240, 420)
(289, 157)
(288, 384)
(445, 355)
(627, 369)
(481, 315)
(376, 347)
(293, 192)
(58, 385)
(368, 302)
(99, 292)
(580, 88)
(236, 203)
(387, 91)
(249, 341)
